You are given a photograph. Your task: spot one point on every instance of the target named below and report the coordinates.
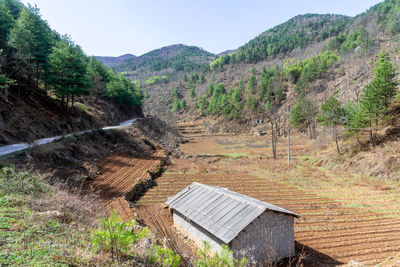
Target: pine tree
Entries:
(5, 83)
(264, 83)
(379, 93)
(252, 83)
(385, 80)
(252, 103)
(302, 116)
(202, 105)
(183, 103)
(210, 89)
(6, 23)
(68, 71)
(176, 106)
(32, 39)
(214, 108)
(192, 93)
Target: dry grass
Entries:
(82, 209)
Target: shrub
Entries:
(183, 103)
(164, 256)
(115, 236)
(83, 107)
(223, 259)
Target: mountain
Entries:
(313, 56)
(296, 33)
(171, 61)
(114, 61)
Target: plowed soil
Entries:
(119, 174)
(332, 230)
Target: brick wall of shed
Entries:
(196, 233)
(267, 239)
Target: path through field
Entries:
(337, 224)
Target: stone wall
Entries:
(196, 233)
(269, 238)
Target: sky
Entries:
(116, 27)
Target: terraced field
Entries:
(336, 226)
(119, 175)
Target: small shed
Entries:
(251, 228)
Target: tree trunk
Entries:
(278, 127)
(337, 141)
(371, 136)
(37, 74)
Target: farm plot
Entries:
(334, 233)
(119, 175)
(331, 230)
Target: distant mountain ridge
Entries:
(169, 60)
(114, 61)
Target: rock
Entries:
(28, 158)
(52, 214)
(355, 264)
(392, 131)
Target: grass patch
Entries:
(82, 107)
(30, 234)
(30, 239)
(235, 155)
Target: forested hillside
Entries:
(308, 57)
(164, 64)
(296, 33)
(46, 72)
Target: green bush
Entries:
(352, 41)
(82, 107)
(115, 236)
(183, 103)
(304, 71)
(164, 256)
(176, 105)
(223, 259)
(252, 103)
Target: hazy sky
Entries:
(116, 27)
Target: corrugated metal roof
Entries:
(221, 212)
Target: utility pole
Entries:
(288, 143)
(288, 146)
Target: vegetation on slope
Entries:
(36, 60)
(388, 15)
(33, 232)
(295, 33)
(166, 60)
(265, 91)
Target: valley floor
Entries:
(345, 217)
